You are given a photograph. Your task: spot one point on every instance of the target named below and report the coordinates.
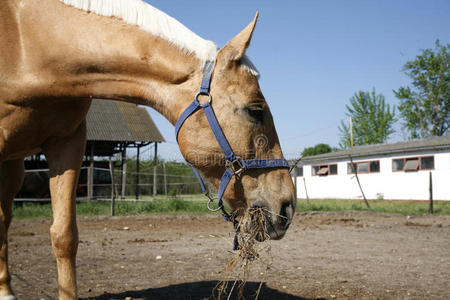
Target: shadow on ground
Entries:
(199, 290)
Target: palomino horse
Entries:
(56, 55)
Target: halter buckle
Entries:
(236, 165)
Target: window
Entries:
(375, 166)
(314, 170)
(364, 167)
(397, 164)
(324, 170)
(351, 168)
(300, 171)
(412, 164)
(427, 163)
(333, 169)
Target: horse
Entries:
(57, 55)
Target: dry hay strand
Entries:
(250, 257)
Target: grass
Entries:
(122, 208)
(176, 205)
(382, 206)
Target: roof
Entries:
(116, 121)
(430, 144)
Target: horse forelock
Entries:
(248, 65)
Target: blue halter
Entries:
(234, 164)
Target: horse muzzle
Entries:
(265, 223)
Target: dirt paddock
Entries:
(345, 255)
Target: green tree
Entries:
(425, 107)
(372, 120)
(316, 150)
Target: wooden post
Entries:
(124, 170)
(295, 181)
(90, 177)
(306, 191)
(165, 179)
(137, 173)
(359, 184)
(430, 208)
(155, 161)
(113, 194)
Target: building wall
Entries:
(386, 184)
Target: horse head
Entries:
(247, 124)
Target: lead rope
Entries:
(294, 164)
(229, 217)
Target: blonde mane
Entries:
(156, 22)
(151, 20)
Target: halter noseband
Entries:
(234, 164)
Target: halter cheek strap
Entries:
(234, 164)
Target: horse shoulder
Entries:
(10, 38)
(25, 126)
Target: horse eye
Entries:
(255, 112)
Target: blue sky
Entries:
(314, 55)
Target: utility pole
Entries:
(430, 207)
(351, 132)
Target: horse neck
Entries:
(86, 55)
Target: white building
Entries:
(399, 171)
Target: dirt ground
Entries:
(344, 255)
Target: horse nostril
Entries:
(284, 218)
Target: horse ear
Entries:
(235, 49)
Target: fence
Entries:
(97, 183)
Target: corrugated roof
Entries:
(116, 121)
(430, 144)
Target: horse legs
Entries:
(11, 178)
(64, 156)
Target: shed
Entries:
(112, 127)
(396, 171)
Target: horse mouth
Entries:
(258, 224)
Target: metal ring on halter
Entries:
(203, 94)
(210, 200)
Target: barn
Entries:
(397, 171)
(112, 127)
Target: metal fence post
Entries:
(113, 194)
(137, 188)
(165, 179)
(155, 169)
(90, 175)
(124, 171)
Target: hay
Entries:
(249, 254)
